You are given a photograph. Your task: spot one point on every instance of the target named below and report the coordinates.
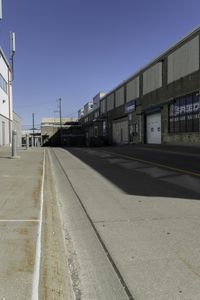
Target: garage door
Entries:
(120, 131)
(153, 123)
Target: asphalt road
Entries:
(147, 171)
(131, 226)
(185, 158)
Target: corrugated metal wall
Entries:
(119, 100)
(132, 89)
(103, 106)
(110, 102)
(152, 78)
(184, 60)
(120, 131)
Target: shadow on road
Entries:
(136, 178)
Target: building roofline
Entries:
(17, 114)
(156, 59)
(5, 58)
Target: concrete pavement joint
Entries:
(2, 220)
(19, 176)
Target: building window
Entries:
(3, 84)
(184, 114)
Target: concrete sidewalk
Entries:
(20, 184)
(144, 215)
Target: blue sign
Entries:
(130, 106)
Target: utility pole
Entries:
(12, 52)
(60, 113)
(33, 119)
(11, 73)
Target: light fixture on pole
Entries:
(1, 10)
(60, 114)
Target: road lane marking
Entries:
(154, 163)
(36, 275)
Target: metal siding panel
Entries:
(110, 102)
(116, 133)
(103, 106)
(119, 97)
(152, 78)
(132, 89)
(184, 60)
(125, 131)
(120, 131)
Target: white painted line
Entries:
(36, 275)
(2, 220)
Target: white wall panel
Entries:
(132, 89)
(184, 60)
(110, 102)
(119, 99)
(152, 78)
(5, 132)
(4, 100)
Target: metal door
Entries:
(153, 128)
(120, 131)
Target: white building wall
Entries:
(4, 101)
(4, 131)
(6, 114)
(184, 60)
(110, 102)
(132, 89)
(152, 78)
(119, 98)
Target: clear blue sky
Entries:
(75, 48)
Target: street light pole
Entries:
(33, 117)
(60, 113)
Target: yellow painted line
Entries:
(154, 163)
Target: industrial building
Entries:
(6, 111)
(61, 132)
(158, 104)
